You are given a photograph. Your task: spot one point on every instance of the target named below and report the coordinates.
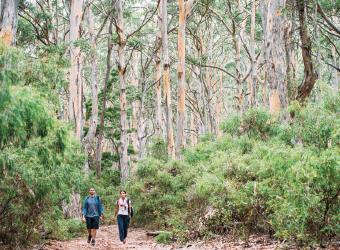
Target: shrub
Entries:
(164, 237)
(260, 176)
(40, 161)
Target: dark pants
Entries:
(123, 225)
(92, 222)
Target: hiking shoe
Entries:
(93, 242)
(89, 239)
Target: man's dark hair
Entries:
(122, 191)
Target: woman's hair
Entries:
(122, 191)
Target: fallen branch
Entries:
(155, 233)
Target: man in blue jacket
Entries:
(92, 211)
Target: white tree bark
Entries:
(90, 136)
(273, 28)
(253, 79)
(158, 74)
(166, 80)
(8, 20)
(76, 84)
(135, 103)
(181, 78)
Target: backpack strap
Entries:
(129, 207)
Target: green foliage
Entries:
(40, 162)
(158, 149)
(62, 228)
(164, 237)
(261, 176)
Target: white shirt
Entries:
(123, 207)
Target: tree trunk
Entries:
(141, 130)
(158, 75)
(8, 20)
(290, 58)
(207, 86)
(166, 80)
(122, 92)
(218, 110)
(237, 55)
(241, 39)
(102, 115)
(193, 128)
(273, 28)
(136, 102)
(76, 84)
(89, 138)
(310, 75)
(181, 78)
(336, 73)
(253, 79)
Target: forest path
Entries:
(107, 239)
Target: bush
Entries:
(40, 161)
(164, 237)
(261, 176)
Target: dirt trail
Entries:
(107, 239)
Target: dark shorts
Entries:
(92, 222)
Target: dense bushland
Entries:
(260, 176)
(40, 162)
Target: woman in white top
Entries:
(123, 211)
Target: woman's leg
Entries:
(126, 225)
(120, 221)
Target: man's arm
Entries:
(84, 209)
(101, 207)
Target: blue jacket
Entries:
(99, 204)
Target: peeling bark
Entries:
(8, 20)
(181, 78)
(166, 80)
(273, 28)
(76, 84)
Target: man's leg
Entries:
(88, 226)
(120, 221)
(95, 227)
(89, 236)
(93, 233)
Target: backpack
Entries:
(130, 208)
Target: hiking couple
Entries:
(93, 212)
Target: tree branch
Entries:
(322, 13)
(144, 22)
